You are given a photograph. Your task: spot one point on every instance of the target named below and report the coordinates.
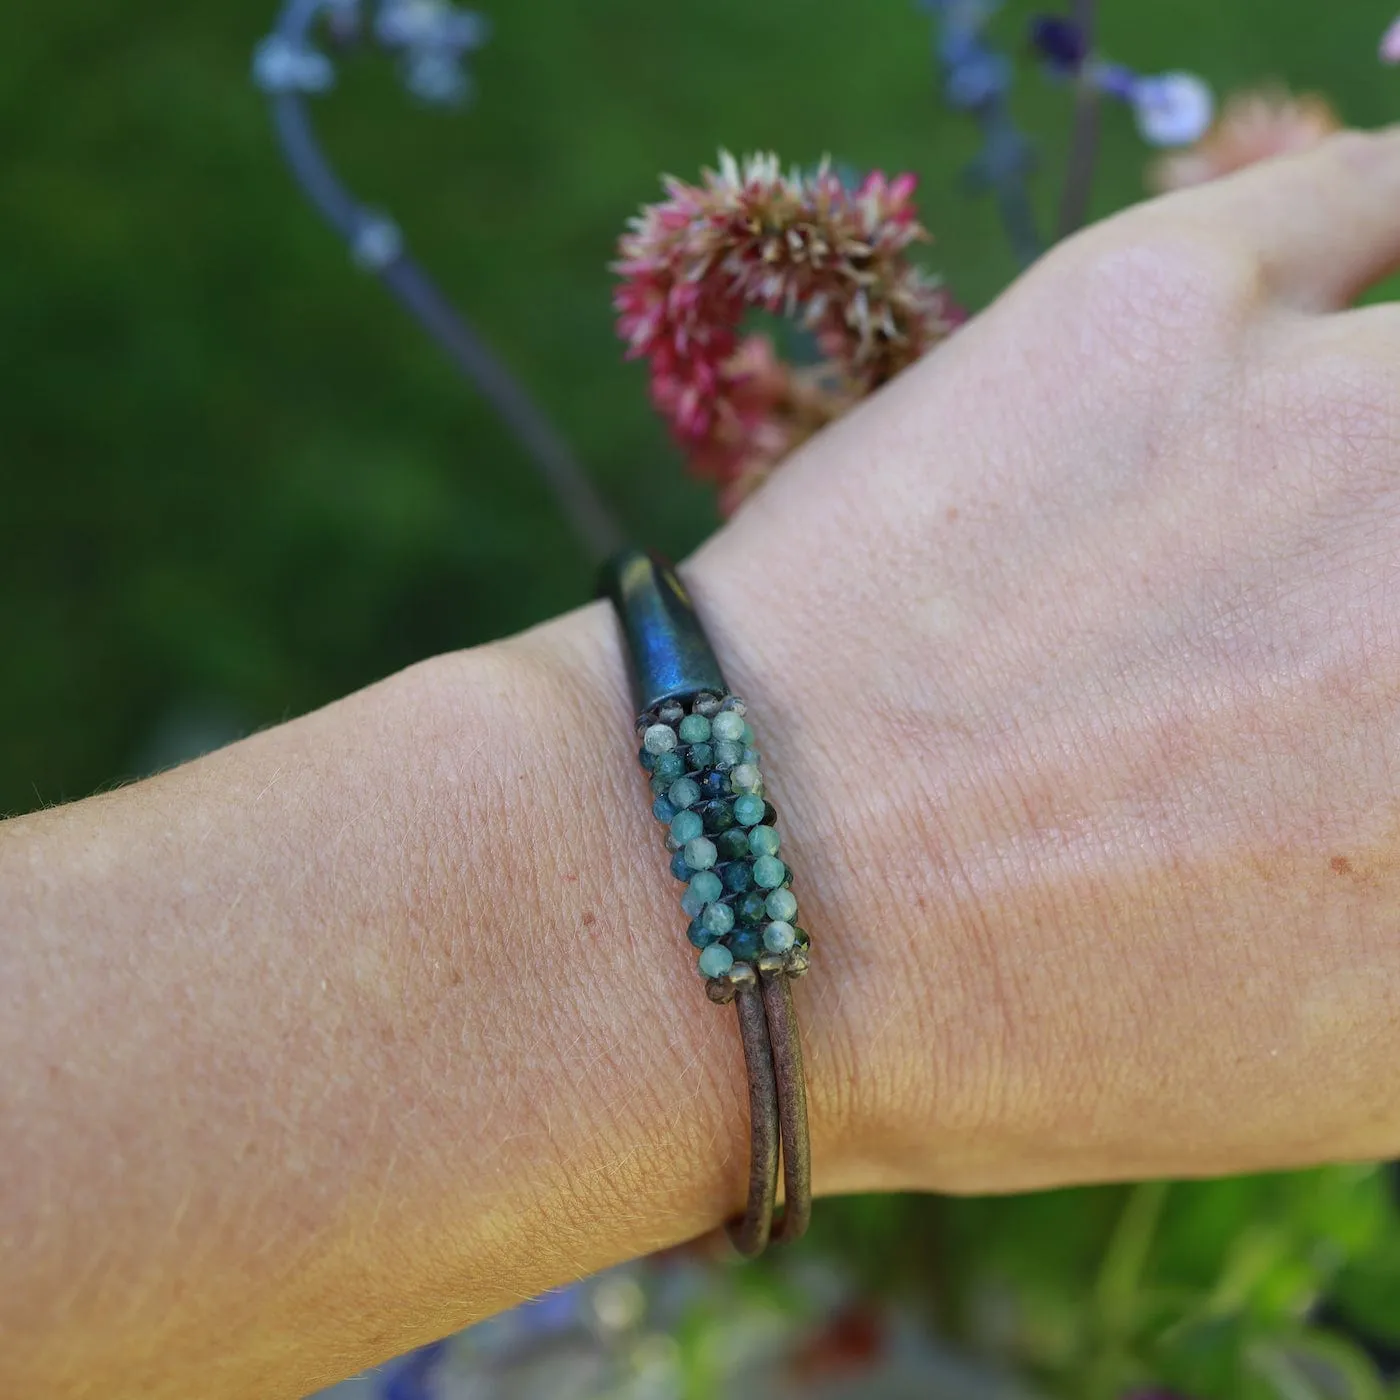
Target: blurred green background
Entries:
(238, 481)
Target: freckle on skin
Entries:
(1341, 865)
(589, 919)
(952, 514)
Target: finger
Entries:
(1324, 225)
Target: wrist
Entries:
(693, 1083)
(857, 1078)
(910, 849)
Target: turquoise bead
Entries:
(699, 935)
(749, 755)
(718, 816)
(669, 765)
(763, 841)
(748, 810)
(663, 809)
(648, 759)
(725, 725)
(746, 778)
(716, 960)
(732, 844)
(686, 826)
(713, 784)
(698, 757)
(768, 871)
(738, 877)
(700, 854)
(707, 885)
(745, 943)
(752, 907)
(695, 729)
(748, 738)
(781, 905)
(660, 738)
(704, 887)
(678, 866)
(718, 918)
(727, 754)
(779, 936)
(685, 792)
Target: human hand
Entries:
(1075, 656)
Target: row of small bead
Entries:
(708, 792)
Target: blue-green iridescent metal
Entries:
(669, 657)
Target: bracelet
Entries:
(697, 748)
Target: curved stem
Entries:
(1004, 158)
(565, 477)
(1013, 197)
(1084, 142)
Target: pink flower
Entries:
(800, 245)
(1252, 127)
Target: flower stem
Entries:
(375, 242)
(1014, 205)
(975, 82)
(1084, 142)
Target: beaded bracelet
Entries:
(697, 748)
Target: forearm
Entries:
(362, 1028)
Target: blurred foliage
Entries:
(238, 482)
(1280, 1287)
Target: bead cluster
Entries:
(722, 833)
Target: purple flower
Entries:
(286, 65)
(1173, 109)
(1060, 42)
(434, 38)
(1390, 44)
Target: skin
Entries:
(1075, 657)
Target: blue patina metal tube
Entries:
(669, 657)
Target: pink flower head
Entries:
(1253, 126)
(1390, 43)
(800, 245)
